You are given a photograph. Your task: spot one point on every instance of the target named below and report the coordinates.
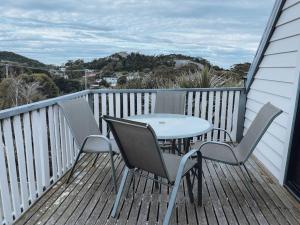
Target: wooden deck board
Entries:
(228, 198)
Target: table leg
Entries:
(173, 146)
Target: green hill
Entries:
(13, 57)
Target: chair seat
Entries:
(95, 145)
(172, 163)
(217, 152)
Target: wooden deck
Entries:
(88, 199)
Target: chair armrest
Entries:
(227, 133)
(184, 159)
(227, 147)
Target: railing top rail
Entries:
(169, 89)
(38, 105)
(41, 104)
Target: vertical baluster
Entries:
(52, 143)
(4, 188)
(11, 161)
(139, 103)
(37, 150)
(146, 103)
(223, 117)
(190, 104)
(217, 115)
(229, 113)
(197, 104)
(96, 107)
(70, 146)
(29, 156)
(62, 141)
(57, 140)
(210, 112)
(118, 105)
(153, 98)
(125, 105)
(104, 112)
(19, 141)
(235, 114)
(132, 104)
(44, 147)
(111, 104)
(203, 107)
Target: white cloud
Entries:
(225, 32)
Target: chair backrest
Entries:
(259, 126)
(172, 102)
(138, 145)
(80, 119)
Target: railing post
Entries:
(241, 115)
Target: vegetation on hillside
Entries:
(26, 89)
(27, 83)
(13, 57)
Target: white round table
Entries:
(174, 126)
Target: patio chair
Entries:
(86, 132)
(141, 152)
(172, 102)
(237, 155)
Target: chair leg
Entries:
(120, 191)
(155, 182)
(113, 171)
(133, 185)
(251, 180)
(172, 201)
(189, 187)
(246, 180)
(96, 159)
(199, 162)
(73, 167)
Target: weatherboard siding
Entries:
(275, 82)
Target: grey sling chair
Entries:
(86, 132)
(141, 152)
(237, 155)
(171, 102)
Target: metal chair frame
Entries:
(174, 185)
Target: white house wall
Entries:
(276, 81)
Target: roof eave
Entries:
(275, 14)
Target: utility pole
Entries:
(6, 70)
(85, 79)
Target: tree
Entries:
(15, 91)
(122, 80)
(47, 86)
(240, 70)
(67, 85)
(104, 83)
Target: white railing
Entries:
(37, 147)
(220, 106)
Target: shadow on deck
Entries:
(88, 199)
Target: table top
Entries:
(174, 126)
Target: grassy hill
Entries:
(13, 57)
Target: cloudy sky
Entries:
(222, 31)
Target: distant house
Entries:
(90, 73)
(111, 80)
(182, 62)
(133, 75)
(274, 77)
